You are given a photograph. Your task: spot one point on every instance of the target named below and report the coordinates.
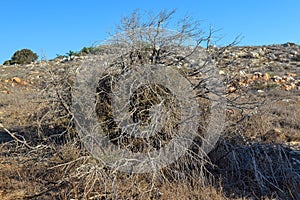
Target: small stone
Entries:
(16, 80)
(221, 72)
(287, 87)
(258, 74)
(290, 74)
(272, 56)
(231, 89)
(294, 52)
(242, 73)
(251, 79)
(241, 83)
(293, 85)
(261, 52)
(277, 79)
(254, 54)
(290, 79)
(266, 77)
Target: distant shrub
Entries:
(59, 56)
(72, 54)
(24, 56)
(87, 50)
(7, 62)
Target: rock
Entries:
(261, 52)
(272, 56)
(277, 79)
(241, 83)
(289, 44)
(290, 74)
(241, 54)
(16, 80)
(294, 52)
(293, 85)
(231, 89)
(291, 79)
(257, 75)
(254, 55)
(266, 77)
(242, 73)
(287, 87)
(5, 92)
(221, 72)
(288, 78)
(186, 65)
(251, 79)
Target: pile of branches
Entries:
(257, 170)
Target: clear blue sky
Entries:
(56, 26)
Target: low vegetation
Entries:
(257, 155)
(23, 56)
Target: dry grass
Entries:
(68, 172)
(260, 170)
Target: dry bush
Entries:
(258, 156)
(54, 118)
(275, 120)
(59, 165)
(91, 179)
(257, 170)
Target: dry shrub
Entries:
(238, 167)
(275, 119)
(257, 170)
(258, 155)
(53, 118)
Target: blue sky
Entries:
(57, 26)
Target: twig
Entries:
(15, 138)
(61, 184)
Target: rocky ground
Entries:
(267, 75)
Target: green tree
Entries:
(7, 62)
(24, 56)
(87, 50)
(71, 54)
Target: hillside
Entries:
(256, 157)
